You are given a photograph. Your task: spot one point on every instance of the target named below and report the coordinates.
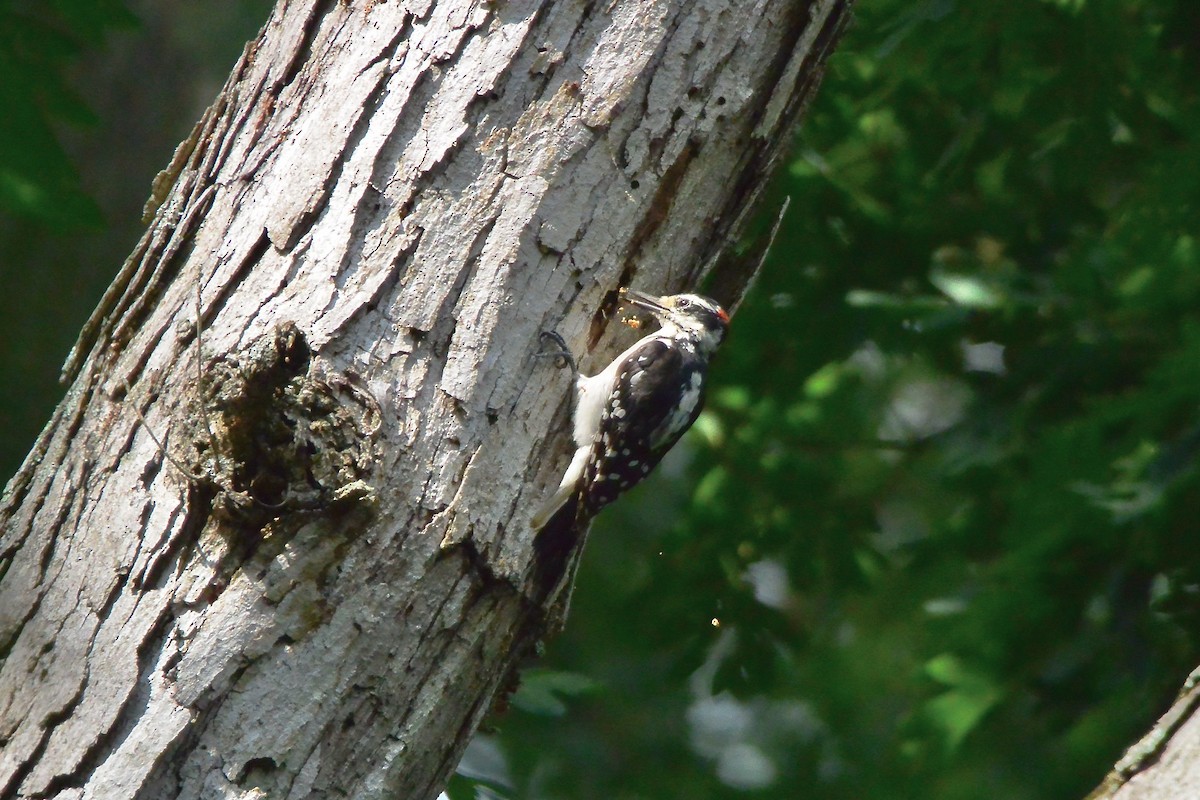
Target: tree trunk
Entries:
(1165, 764)
(319, 579)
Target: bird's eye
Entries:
(683, 302)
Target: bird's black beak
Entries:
(649, 302)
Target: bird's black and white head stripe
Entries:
(688, 317)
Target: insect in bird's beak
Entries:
(632, 300)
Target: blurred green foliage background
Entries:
(935, 535)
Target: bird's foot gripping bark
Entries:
(562, 352)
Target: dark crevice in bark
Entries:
(163, 779)
(437, 641)
(395, 147)
(469, 611)
(451, 754)
(56, 530)
(535, 31)
(216, 303)
(119, 586)
(155, 289)
(249, 101)
(168, 767)
(317, 205)
(478, 105)
(658, 210)
(656, 146)
(358, 227)
(213, 145)
(258, 105)
(171, 235)
(266, 120)
(46, 727)
(174, 538)
(9, 637)
(304, 48)
(388, 51)
(487, 580)
(116, 324)
(224, 135)
(21, 507)
(436, 613)
(441, 345)
(385, 289)
(102, 316)
(16, 494)
(132, 708)
(727, 278)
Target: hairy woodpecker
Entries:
(629, 415)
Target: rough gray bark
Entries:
(1165, 764)
(321, 587)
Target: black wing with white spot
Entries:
(656, 397)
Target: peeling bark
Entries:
(320, 584)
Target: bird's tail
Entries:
(556, 540)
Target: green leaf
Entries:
(541, 689)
